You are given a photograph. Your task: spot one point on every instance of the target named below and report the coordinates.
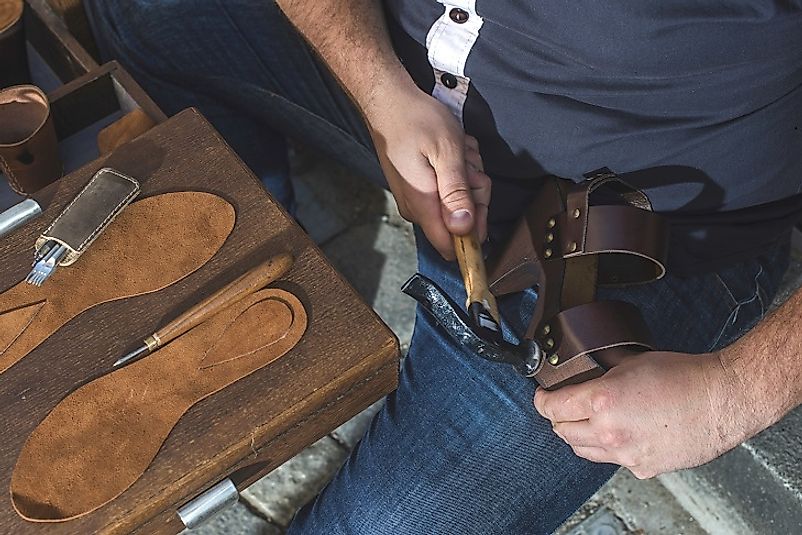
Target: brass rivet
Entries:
(550, 343)
(576, 213)
(572, 247)
(551, 223)
(546, 330)
(554, 359)
(549, 237)
(547, 253)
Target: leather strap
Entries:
(633, 241)
(596, 326)
(573, 238)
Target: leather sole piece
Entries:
(153, 243)
(101, 438)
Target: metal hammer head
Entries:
(525, 357)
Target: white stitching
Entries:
(12, 179)
(108, 218)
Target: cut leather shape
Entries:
(123, 130)
(101, 438)
(13, 53)
(16, 321)
(154, 243)
(28, 145)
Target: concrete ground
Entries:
(359, 229)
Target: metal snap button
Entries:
(460, 16)
(449, 80)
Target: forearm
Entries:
(767, 364)
(351, 37)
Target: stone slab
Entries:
(289, 487)
(626, 504)
(351, 432)
(236, 520)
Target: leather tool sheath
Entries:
(572, 239)
(13, 54)
(28, 145)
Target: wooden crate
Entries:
(104, 92)
(87, 97)
(346, 360)
(48, 35)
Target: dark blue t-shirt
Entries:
(698, 103)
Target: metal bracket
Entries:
(18, 215)
(207, 505)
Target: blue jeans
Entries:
(458, 448)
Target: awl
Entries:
(252, 281)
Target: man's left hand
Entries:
(653, 413)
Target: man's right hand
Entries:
(432, 167)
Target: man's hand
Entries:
(432, 167)
(654, 413)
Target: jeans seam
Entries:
(727, 288)
(733, 317)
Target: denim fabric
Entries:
(458, 448)
(246, 69)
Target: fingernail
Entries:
(461, 217)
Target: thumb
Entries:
(455, 192)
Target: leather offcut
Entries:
(101, 438)
(154, 243)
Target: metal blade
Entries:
(526, 357)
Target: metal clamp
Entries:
(18, 215)
(209, 504)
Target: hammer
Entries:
(480, 303)
(479, 330)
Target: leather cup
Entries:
(13, 54)
(29, 154)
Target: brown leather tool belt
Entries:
(572, 239)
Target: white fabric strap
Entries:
(449, 43)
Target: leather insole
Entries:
(152, 244)
(101, 438)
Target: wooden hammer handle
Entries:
(472, 266)
(255, 279)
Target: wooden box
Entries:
(49, 37)
(346, 360)
(85, 97)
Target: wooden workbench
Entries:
(346, 360)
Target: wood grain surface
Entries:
(49, 35)
(248, 428)
(474, 274)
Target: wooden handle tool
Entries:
(252, 281)
(481, 303)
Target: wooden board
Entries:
(74, 16)
(97, 94)
(347, 359)
(49, 35)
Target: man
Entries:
(699, 106)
